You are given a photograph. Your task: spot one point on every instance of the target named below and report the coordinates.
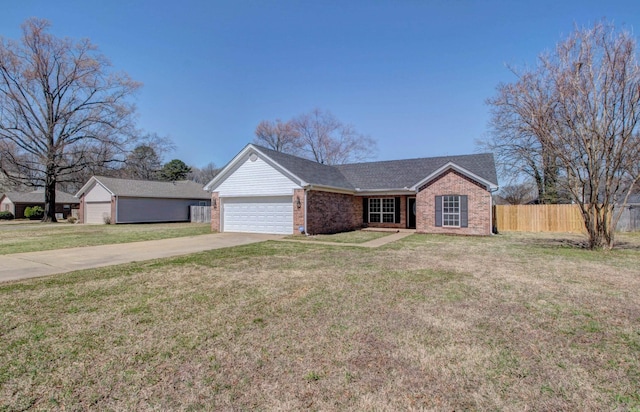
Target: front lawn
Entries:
(33, 237)
(512, 322)
(356, 236)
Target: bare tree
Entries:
(597, 129)
(145, 160)
(62, 107)
(327, 140)
(279, 136)
(586, 118)
(142, 163)
(205, 174)
(518, 194)
(319, 136)
(520, 133)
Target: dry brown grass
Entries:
(356, 236)
(33, 237)
(513, 322)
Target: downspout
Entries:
(491, 233)
(116, 216)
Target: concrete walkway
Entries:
(20, 266)
(34, 264)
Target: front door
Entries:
(411, 213)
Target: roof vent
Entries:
(253, 157)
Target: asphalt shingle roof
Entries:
(308, 170)
(37, 196)
(390, 174)
(397, 174)
(182, 189)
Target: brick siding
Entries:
(332, 212)
(215, 212)
(454, 183)
(298, 213)
(20, 207)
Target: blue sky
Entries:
(414, 75)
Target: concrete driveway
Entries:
(34, 264)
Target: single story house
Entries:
(17, 202)
(265, 191)
(111, 200)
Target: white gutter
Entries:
(385, 191)
(331, 188)
(491, 209)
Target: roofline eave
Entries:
(237, 158)
(326, 188)
(86, 186)
(450, 165)
(376, 192)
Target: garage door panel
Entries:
(258, 215)
(97, 211)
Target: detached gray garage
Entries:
(111, 200)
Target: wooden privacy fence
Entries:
(538, 218)
(200, 214)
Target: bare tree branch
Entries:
(319, 136)
(578, 113)
(62, 111)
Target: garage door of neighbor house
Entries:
(95, 212)
(268, 214)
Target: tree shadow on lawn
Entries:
(576, 242)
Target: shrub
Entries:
(106, 219)
(33, 212)
(6, 215)
(72, 219)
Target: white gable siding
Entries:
(97, 194)
(256, 178)
(7, 205)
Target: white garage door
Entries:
(96, 212)
(258, 215)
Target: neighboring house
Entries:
(17, 202)
(265, 191)
(107, 199)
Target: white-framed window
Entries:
(451, 211)
(382, 210)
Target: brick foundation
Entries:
(454, 183)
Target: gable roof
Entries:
(311, 172)
(407, 173)
(37, 196)
(389, 175)
(182, 189)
